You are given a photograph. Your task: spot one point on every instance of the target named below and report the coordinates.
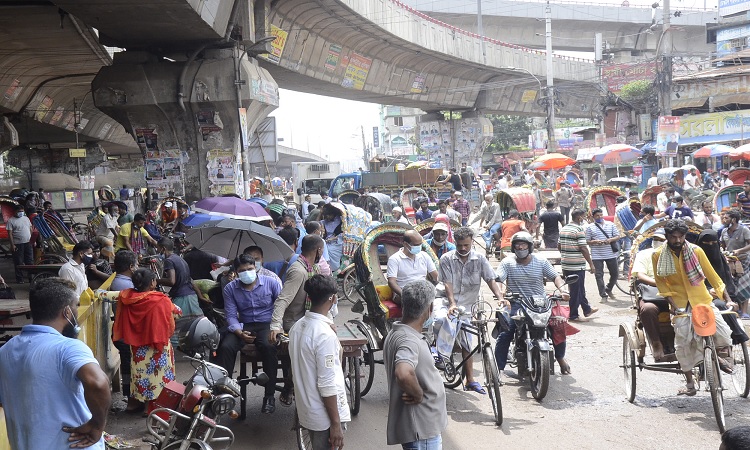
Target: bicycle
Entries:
(453, 373)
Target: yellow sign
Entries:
(277, 45)
(356, 72)
(70, 196)
(528, 96)
(77, 152)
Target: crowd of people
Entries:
(263, 300)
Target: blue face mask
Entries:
(248, 276)
(415, 249)
(599, 220)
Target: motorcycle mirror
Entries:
(570, 279)
(261, 378)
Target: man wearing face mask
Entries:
(439, 242)
(462, 271)
(600, 236)
(19, 234)
(423, 213)
(409, 264)
(70, 386)
(75, 269)
(525, 274)
(249, 304)
(182, 293)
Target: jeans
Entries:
(599, 275)
(433, 443)
(504, 339)
(577, 293)
(226, 354)
(487, 235)
(626, 243)
(319, 439)
(23, 254)
(565, 211)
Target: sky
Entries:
(325, 125)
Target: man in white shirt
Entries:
(107, 231)
(691, 179)
(306, 207)
(409, 264)
(708, 218)
(75, 269)
(502, 183)
(652, 181)
(725, 181)
(398, 215)
(664, 199)
(315, 354)
(450, 212)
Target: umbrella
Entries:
(230, 237)
(232, 208)
(617, 154)
(713, 151)
(259, 201)
(741, 152)
(551, 161)
(622, 180)
(198, 219)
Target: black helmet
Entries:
(199, 336)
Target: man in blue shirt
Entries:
(424, 212)
(248, 302)
(439, 241)
(679, 210)
(52, 389)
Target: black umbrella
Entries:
(230, 237)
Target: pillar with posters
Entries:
(667, 139)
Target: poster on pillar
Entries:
(668, 136)
(472, 135)
(222, 170)
(356, 72)
(277, 45)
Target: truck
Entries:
(390, 182)
(313, 178)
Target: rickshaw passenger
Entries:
(168, 214)
(423, 213)
(681, 269)
(491, 216)
(649, 309)
(509, 228)
(409, 264)
(439, 241)
(334, 236)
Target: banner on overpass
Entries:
(356, 72)
(618, 75)
(731, 7)
(277, 45)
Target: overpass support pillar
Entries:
(186, 116)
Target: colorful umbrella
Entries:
(259, 201)
(551, 161)
(713, 151)
(232, 208)
(617, 154)
(198, 219)
(741, 152)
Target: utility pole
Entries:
(480, 30)
(365, 151)
(665, 49)
(551, 143)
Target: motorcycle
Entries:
(531, 349)
(186, 417)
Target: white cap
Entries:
(398, 208)
(458, 193)
(168, 205)
(440, 226)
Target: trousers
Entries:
(599, 275)
(226, 354)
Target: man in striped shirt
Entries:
(574, 253)
(462, 207)
(600, 235)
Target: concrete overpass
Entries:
(189, 64)
(625, 28)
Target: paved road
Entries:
(585, 410)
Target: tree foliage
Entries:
(509, 131)
(637, 91)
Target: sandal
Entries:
(476, 387)
(687, 390)
(564, 367)
(286, 398)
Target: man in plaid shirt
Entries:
(462, 207)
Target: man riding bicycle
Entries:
(462, 271)
(525, 274)
(681, 269)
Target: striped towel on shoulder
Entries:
(665, 266)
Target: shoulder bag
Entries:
(614, 245)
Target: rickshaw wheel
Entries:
(628, 369)
(348, 286)
(41, 276)
(52, 258)
(713, 378)
(368, 359)
(304, 440)
(741, 375)
(352, 382)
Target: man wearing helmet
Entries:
(525, 274)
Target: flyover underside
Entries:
(332, 50)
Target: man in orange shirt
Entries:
(512, 225)
(168, 214)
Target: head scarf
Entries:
(708, 240)
(443, 218)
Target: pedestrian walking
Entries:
(552, 220)
(602, 236)
(574, 254)
(19, 234)
(564, 197)
(417, 413)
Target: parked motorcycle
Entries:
(186, 417)
(531, 349)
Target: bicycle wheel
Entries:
(741, 375)
(628, 369)
(348, 286)
(539, 376)
(447, 366)
(492, 383)
(304, 440)
(622, 285)
(713, 377)
(352, 382)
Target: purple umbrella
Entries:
(232, 208)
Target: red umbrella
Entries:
(741, 152)
(552, 161)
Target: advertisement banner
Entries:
(375, 137)
(668, 136)
(334, 55)
(618, 75)
(417, 86)
(730, 7)
(644, 127)
(277, 45)
(529, 95)
(356, 72)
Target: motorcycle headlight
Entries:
(222, 404)
(541, 320)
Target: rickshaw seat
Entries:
(385, 296)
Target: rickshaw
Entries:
(673, 176)
(348, 197)
(425, 227)
(648, 197)
(408, 197)
(354, 224)
(726, 198)
(7, 209)
(739, 175)
(379, 310)
(377, 204)
(518, 198)
(604, 198)
(634, 349)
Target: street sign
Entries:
(375, 137)
(77, 152)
